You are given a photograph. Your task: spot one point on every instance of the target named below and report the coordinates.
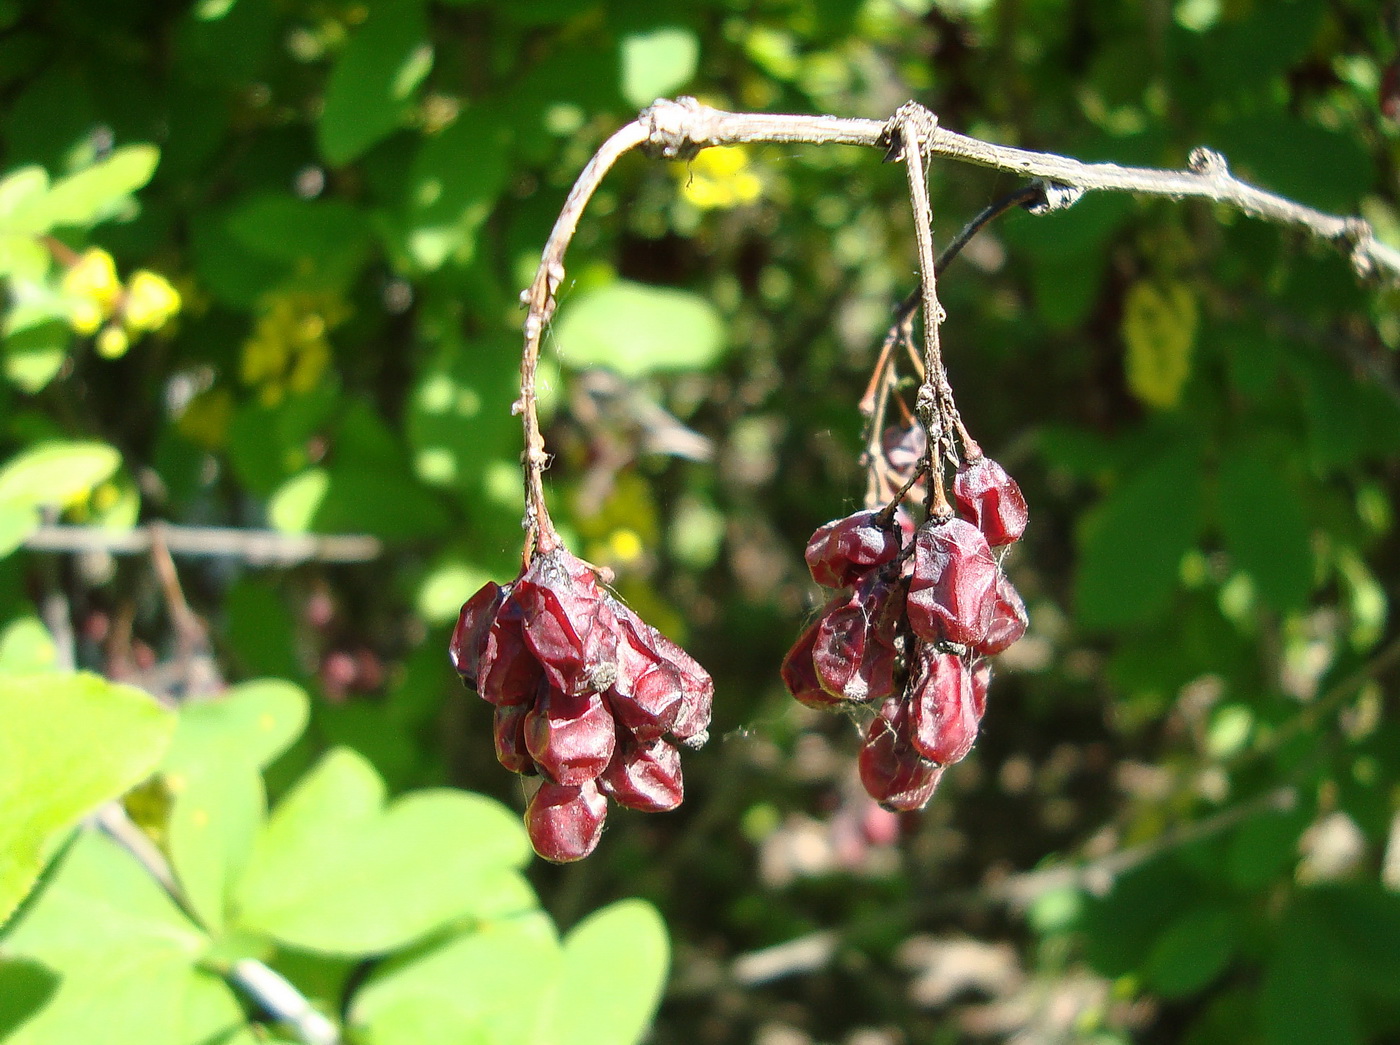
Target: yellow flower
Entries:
(112, 343)
(720, 177)
(84, 315)
(151, 301)
(93, 278)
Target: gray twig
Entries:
(257, 547)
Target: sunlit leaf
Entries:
(637, 329)
(70, 743)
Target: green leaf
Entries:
(1262, 523)
(70, 743)
(35, 354)
(486, 985)
(93, 194)
(1132, 544)
(52, 474)
(292, 508)
(21, 191)
(615, 963)
(212, 774)
(656, 63)
(374, 79)
(1302, 998)
(454, 182)
(1265, 847)
(335, 871)
(17, 522)
(1159, 329)
(27, 648)
(121, 951)
(638, 329)
(322, 243)
(1192, 952)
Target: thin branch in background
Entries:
(256, 547)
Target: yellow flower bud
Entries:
(93, 278)
(151, 301)
(112, 343)
(84, 315)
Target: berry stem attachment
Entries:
(540, 299)
(916, 126)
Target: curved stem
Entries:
(540, 299)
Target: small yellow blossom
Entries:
(151, 301)
(93, 278)
(112, 343)
(84, 315)
(289, 350)
(720, 177)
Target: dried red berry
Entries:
(891, 770)
(942, 716)
(566, 822)
(567, 622)
(647, 694)
(508, 672)
(991, 500)
(953, 588)
(853, 651)
(981, 679)
(645, 776)
(800, 673)
(1009, 620)
(845, 549)
(570, 737)
(509, 729)
(473, 624)
(697, 689)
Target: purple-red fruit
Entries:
(645, 776)
(800, 673)
(473, 624)
(891, 770)
(567, 623)
(508, 672)
(571, 738)
(647, 694)
(853, 650)
(1009, 620)
(952, 591)
(981, 679)
(697, 692)
(509, 729)
(990, 500)
(844, 549)
(565, 822)
(942, 713)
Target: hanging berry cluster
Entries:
(918, 614)
(919, 610)
(585, 695)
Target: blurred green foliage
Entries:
(261, 263)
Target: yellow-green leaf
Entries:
(1159, 329)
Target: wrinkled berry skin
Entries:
(585, 695)
(843, 550)
(891, 769)
(952, 592)
(1009, 620)
(942, 711)
(565, 822)
(800, 673)
(991, 500)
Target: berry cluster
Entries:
(919, 611)
(585, 695)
